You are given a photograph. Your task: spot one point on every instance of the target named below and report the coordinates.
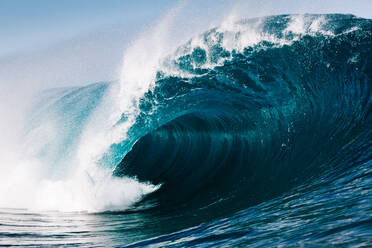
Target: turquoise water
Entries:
(254, 134)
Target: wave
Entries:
(237, 115)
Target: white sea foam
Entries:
(77, 182)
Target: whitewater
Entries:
(256, 132)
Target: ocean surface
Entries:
(255, 133)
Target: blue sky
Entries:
(28, 24)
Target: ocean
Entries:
(255, 133)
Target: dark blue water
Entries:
(258, 135)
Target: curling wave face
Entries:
(250, 119)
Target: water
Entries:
(254, 133)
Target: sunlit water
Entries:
(255, 133)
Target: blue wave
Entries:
(262, 121)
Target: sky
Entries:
(26, 24)
(45, 44)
